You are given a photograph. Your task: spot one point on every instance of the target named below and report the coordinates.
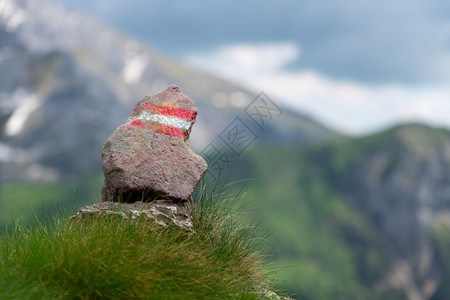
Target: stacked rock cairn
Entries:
(150, 170)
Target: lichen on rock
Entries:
(162, 212)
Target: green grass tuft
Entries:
(118, 259)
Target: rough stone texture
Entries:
(149, 157)
(163, 212)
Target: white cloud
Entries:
(242, 61)
(355, 107)
(351, 106)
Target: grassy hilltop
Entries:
(117, 259)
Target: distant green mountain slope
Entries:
(364, 218)
(24, 201)
(352, 217)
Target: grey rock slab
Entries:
(162, 212)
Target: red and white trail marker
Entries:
(170, 120)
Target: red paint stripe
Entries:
(137, 123)
(168, 111)
(164, 129)
(160, 128)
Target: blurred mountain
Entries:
(66, 82)
(358, 216)
(364, 218)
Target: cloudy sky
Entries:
(358, 66)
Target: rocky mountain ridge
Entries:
(67, 81)
(380, 195)
(400, 181)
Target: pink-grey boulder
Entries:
(149, 157)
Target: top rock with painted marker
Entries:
(148, 157)
(169, 112)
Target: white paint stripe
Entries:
(165, 120)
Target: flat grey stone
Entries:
(162, 212)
